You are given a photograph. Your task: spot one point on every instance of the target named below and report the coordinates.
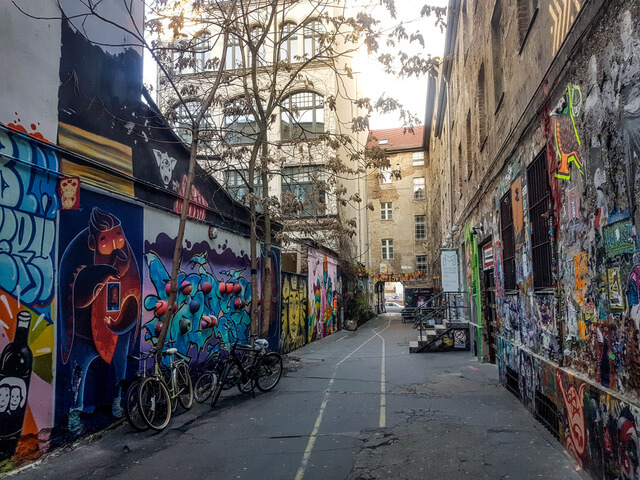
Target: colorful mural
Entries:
(214, 287)
(99, 282)
(323, 301)
(294, 312)
(28, 209)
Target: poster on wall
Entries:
(449, 267)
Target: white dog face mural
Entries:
(166, 164)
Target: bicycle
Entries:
(264, 371)
(214, 367)
(131, 403)
(159, 393)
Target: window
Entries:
(418, 159)
(527, 11)
(387, 249)
(202, 53)
(234, 53)
(183, 122)
(237, 183)
(311, 35)
(508, 242)
(421, 263)
(419, 188)
(539, 207)
(302, 116)
(386, 211)
(289, 42)
(257, 34)
(482, 107)
(385, 175)
(306, 185)
(497, 54)
(420, 227)
(240, 123)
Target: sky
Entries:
(411, 92)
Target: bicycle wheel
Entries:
(217, 389)
(132, 407)
(204, 386)
(245, 383)
(184, 386)
(269, 372)
(155, 403)
(233, 377)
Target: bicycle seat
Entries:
(243, 347)
(170, 351)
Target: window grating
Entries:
(540, 208)
(508, 242)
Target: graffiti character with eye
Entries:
(100, 305)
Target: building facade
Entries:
(283, 56)
(534, 123)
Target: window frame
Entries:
(417, 196)
(418, 161)
(234, 56)
(288, 42)
(424, 263)
(507, 235)
(387, 249)
(539, 205)
(386, 211)
(311, 32)
(292, 181)
(420, 227)
(249, 127)
(292, 130)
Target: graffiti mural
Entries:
(294, 312)
(99, 310)
(28, 209)
(214, 288)
(566, 132)
(323, 300)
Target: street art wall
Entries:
(323, 295)
(214, 287)
(295, 307)
(28, 209)
(571, 352)
(99, 311)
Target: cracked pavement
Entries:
(435, 416)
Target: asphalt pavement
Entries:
(352, 406)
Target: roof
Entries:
(396, 138)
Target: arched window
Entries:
(257, 34)
(183, 123)
(240, 123)
(302, 116)
(234, 53)
(312, 31)
(289, 42)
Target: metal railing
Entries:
(449, 306)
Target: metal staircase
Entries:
(442, 323)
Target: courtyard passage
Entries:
(355, 405)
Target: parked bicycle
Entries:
(245, 367)
(153, 397)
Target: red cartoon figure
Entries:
(99, 311)
(574, 406)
